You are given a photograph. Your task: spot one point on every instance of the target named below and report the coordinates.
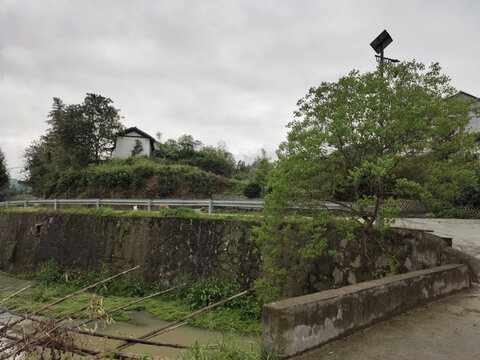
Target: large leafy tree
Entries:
(4, 177)
(78, 134)
(351, 143)
(349, 137)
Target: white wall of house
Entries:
(125, 144)
(474, 123)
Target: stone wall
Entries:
(165, 247)
(297, 324)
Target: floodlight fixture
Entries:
(381, 42)
(379, 45)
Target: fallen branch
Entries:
(129, 339)
(157, 331)
(72, 295)
(16, 293)
(131, 303)
(2, 350)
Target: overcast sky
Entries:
(217, 70)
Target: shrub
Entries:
(252, 190)
(48, 272)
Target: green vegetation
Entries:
(11, 251)
(252, 190)
(139, 177)
(78, 135)
(241, 315)
(367, 139)
(188, 151)
(241, 215)
(229, 351)
(73, 159)
(4, 177)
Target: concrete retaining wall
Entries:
(298, 324)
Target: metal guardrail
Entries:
(250, 204)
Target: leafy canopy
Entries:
(4, 178)
(350, 143)
(78, 135)
(348, 137)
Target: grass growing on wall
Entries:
(111, 211)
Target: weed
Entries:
(11, 251)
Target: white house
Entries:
(127, 141)
(474, 124)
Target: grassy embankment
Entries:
(137, 177)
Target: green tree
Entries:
(4, 177)
(346, 144)
(261, 168)
(102, 124)
(138, 148)
(348, 137)
(78, 135)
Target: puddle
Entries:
(142, 322)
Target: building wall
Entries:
(125, 145)
(474, 124)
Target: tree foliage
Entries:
(348, 138)
(137, 149)
(78, 135)
(186, 150)
(4, 177)
(353, 142)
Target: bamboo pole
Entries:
(129, 339)
(16, 293)
(82, 351)
(132, 303)
(2, 350)
(157, 331)
(35, 331)
(72, 295)
(95, 318)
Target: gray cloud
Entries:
(230, 70)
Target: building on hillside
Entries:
(474, 124)
(133, 142)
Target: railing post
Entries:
(6, 204)
(210, 207)
(149, 205)
(98, 204)
(55, 204)
(24, 204)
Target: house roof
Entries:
(467, 94)
(137, 130)
(142, 133)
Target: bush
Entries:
(48, 272)
(252, 190)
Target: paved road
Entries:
(446, 329)
(465, 233)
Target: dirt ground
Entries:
(444, 329)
